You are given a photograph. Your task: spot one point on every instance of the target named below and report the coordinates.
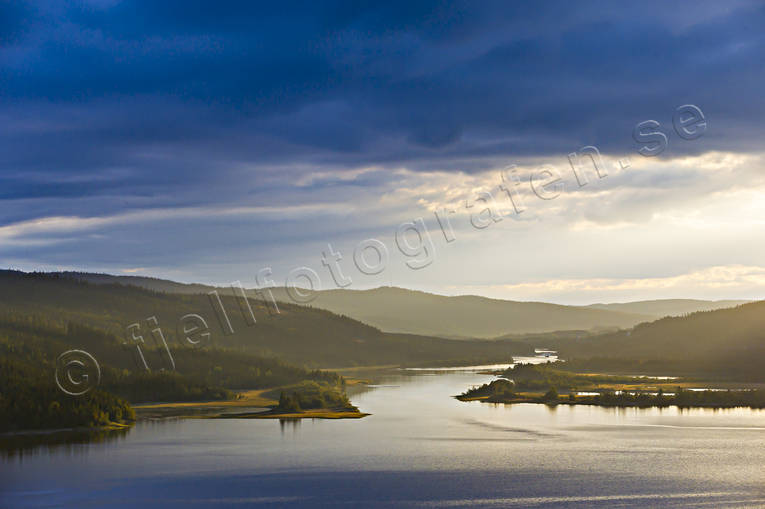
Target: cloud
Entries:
(735, 280)
(62, 225)
(241, 134)
(352, 86)
(133, 270)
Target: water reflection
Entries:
(419, 448)
(19, 446)
(292, 424)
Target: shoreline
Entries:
(668, 401)
(112, 426)
(540, 384)
(249, 404)
(320, 413)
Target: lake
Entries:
(420, 448)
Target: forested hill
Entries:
(150, 283)
(466, 316)
(298, 334)
(394, 309)
(726, 341)
(30, 398)
(412, 312)
(669, 307)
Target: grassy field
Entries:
(253, 399)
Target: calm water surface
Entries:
(420, 448)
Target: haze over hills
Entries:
(399, 310)
(669, 307)
(728, 341)
(298, 334)
(393, 309)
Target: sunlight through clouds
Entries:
(734, 280)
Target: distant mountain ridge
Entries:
(669, 307)
(149, 283)
(399, 310)
(302, 335)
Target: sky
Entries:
(313, 143)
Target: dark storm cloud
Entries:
(130, 104)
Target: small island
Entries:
(304, 400)
(527, 383)
(308, 400)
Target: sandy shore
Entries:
(251, 404)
